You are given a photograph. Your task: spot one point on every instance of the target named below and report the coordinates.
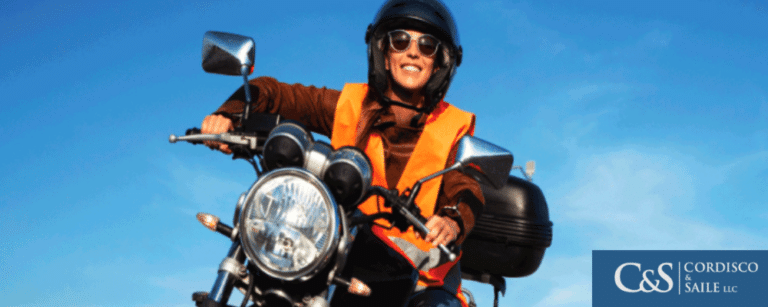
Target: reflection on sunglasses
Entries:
(400, 41)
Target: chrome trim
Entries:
(359, 161)
(317, 301)
(494, 162)
(294, 132)
(227, 53)
(238, 209)
(317, 157)
(222, 287)
(311, 269)
(233, 267)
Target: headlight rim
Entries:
(324, 256)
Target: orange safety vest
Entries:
(443, 129)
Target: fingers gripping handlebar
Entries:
(243, 145)
(247, 139)
(402, 205)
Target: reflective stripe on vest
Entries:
(443, 129)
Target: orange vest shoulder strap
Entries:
(347, 116)
(443, 129)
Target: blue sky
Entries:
(648, 121)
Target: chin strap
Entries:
(385, 101)
(415, 121)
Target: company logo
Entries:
(679, 278)
(652, 285)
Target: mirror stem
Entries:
(417, 186)
(245, 70)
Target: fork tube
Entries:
(225, 281)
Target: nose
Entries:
(413, 48)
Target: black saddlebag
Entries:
(511, 234)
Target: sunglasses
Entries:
(400, 41)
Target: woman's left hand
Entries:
(442, 230)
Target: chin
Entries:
(413, 85)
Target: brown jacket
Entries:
(315, 108)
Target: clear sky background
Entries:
(648, 121)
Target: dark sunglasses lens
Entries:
(428, 45)
(400, 40)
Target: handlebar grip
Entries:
(193, 130)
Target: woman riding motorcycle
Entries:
(401, 122)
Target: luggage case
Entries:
(510, 236)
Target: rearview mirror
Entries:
(484, 161)
(228, 54)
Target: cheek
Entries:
(432, 66)
(388, 61)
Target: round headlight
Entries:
(290, 224)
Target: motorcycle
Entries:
(298, 238)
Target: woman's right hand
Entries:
(215, 124)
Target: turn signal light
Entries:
(358, 287)
(208, 220)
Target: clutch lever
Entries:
(247, 140)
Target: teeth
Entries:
(411, 68)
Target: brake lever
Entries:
(397, 202)
(424, 230)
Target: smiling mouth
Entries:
(411, 68)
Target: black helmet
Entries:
(428, 16)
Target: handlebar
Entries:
(247, 139)
(194, 136)
(402, 204)
(251, 143)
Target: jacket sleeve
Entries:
(312, 106)
(460, 198)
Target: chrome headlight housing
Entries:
(290, 224)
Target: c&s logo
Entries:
(653, 285)
(679, 278)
